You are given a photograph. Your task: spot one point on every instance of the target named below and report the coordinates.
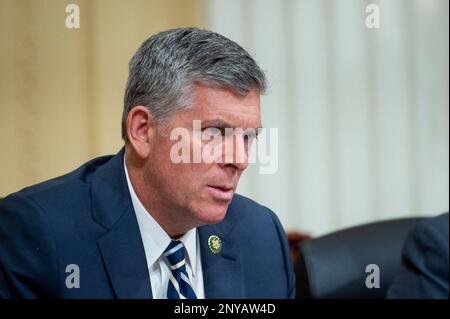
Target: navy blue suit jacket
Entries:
(86, 218)
(425, 265)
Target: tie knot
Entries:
(175, 255)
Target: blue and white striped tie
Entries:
(179, 284)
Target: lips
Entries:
(222, 187)
(221, 192)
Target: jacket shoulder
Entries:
(249, 207)
(56, 189)
(248, 211)
(429, 235)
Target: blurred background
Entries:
(362, 114)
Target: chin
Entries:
(213, 214)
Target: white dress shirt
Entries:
(156, 240)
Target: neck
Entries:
(169, 218)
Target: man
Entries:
(424, 272)
(142, 224)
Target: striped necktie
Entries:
(179, 286)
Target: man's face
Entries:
(199, 193)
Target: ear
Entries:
(140, 130)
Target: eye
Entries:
(214, 131)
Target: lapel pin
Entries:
(215, 244)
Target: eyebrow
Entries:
(222, 124)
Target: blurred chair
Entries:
(294, 239)
(334, 265)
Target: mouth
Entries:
(221, 192)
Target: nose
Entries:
(236, 152)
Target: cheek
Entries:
(188, 179)
(191, 172)
(183, 179)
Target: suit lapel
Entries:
(222, 272)
(123, 254)
(121, 247)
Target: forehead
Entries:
(213, 104)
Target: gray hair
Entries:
(164, 70)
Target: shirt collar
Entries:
(154, 238)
